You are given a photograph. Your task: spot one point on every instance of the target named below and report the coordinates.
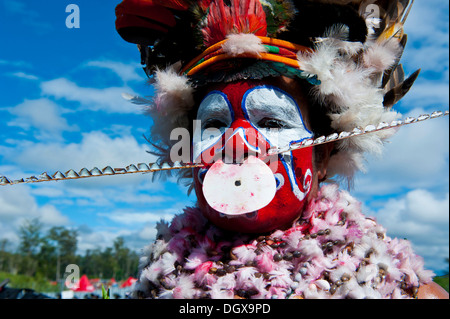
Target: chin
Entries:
(277, 215)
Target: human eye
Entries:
(215, 111)
(214, 123)
(269, 123)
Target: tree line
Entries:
(46, 254)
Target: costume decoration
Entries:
(349, 55)
(247, 113)
(333, 251)
(367, 41)
(144, 168)
(217, 56)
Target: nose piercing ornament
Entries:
(236, 189)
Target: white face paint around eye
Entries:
(215, 115)
(215, 107)
(275, 114)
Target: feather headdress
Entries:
(348, 50)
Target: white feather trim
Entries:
(349, 75)
(174, 94)
(344, 165)
(238, 44)
(382, 56)
(169, 108)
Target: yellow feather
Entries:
(394, 31)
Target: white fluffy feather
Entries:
(174, 98)
(174, 94)
(381, 56)
(344, 164)
(348, 71)
(238, 44)
(349, 91)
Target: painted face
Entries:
(241, 188)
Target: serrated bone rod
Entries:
(153, 167)
(95, 172)
(357, 132)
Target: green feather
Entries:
(279, 13)
(291, 72)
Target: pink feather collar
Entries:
(334, 251)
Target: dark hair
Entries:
(319, 120)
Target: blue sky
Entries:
(61, 107)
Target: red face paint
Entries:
(251, 110)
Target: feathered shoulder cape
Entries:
(333, 251)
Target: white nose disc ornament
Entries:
(236, 189)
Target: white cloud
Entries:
(126, 72)
(428, 48)
(104, 237)
(416, 157)
(143, 199)
(96, 149)
(423, 207)
(110, 193)
(429, 93)
(428, 20)
(49, 215)
(16, 202)
(47, 191)
(42, 114)
(408, 186)
(25, 76)
(107, 100)
(148, 233)
(422, 218)
(127, 217)
(17, 205)
(99, 239)
(93, 194)
(18, 64)
(137, 228)
(118, 130)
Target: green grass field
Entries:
(21, 281)
(443, 281)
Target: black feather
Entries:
(314, 19)
(388, 82)
(398, 92)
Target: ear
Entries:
(322, 157)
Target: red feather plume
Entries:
(245, 16)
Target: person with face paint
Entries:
(248, 77)
(276, 190)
